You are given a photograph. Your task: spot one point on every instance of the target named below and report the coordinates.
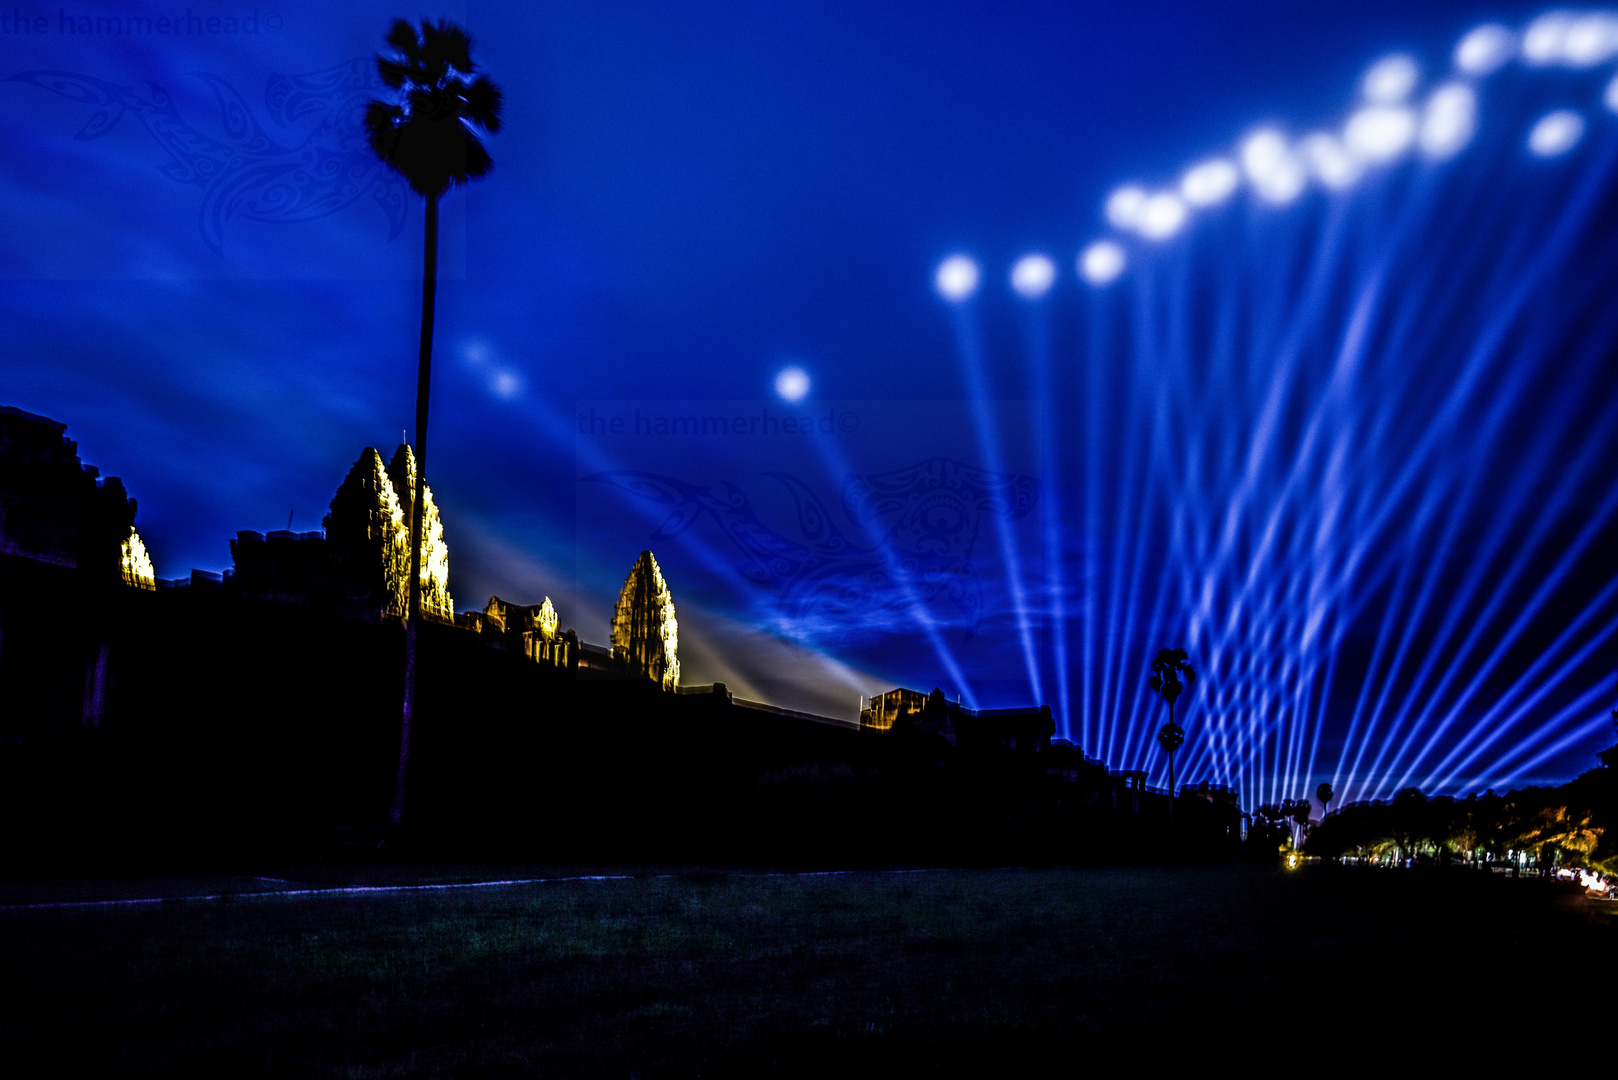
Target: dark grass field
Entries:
(740, 975)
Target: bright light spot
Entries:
(1610, 98)
(1449, 120)
(1032, 276)
(1162, 216)
(1485, 50)
(1590, 40)
(1124, 206)
(792, 384)
(957, 279)
(1330, 163)
(1101, 262)
(500, 381)
(506, 385)
(1556, 133)
(1379, 132)
(1209, 183)
(1273, 170)
(1390, 80)
(1542, 42)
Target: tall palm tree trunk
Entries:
(1171, 773)
(424, 369)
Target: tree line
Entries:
(1572, 824)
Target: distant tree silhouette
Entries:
(1409, 820)
(1297, 812)
(1171, 673)
(1267, 832)
(1324, 794)
(430, 138)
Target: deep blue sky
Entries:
(687, 198)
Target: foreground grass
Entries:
(759, 975)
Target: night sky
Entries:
(1354, 450)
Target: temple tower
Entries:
(368, 537)
(645, 634)
(368, 530)
(435, 599)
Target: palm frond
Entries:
(382, 129)
(478, 161)
(484, 103)
(445, 47)
(402, 36)
(430, 137)
(394, 74)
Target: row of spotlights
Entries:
(1382, 129)
(1032, 276)
(1386, 125)
(1279, 172)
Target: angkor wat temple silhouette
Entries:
(258, 711)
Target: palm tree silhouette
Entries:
(1324, 794)
(1171, 673)
(1296, 811)
(430, 138)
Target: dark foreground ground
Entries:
(997, 971)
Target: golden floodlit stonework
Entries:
(368, 524)
(435, 597)
(645, 633)
(137, 564)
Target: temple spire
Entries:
(645, 633)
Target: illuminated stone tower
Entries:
(645, 634)
(369, 538)
(368, 530)
(435, 599)
(136, 563)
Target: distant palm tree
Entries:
(1297, 811)
(1171, 673)
(429, 137)
(1324, 794)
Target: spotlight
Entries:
(1379, 132)
(792, 384)
(1271, 168)
(506, 385)
(1484, 50)
(1556, 133)
(1209, 183)
(1101, 262)
(1610, 98)
(957, 278)
(1032, 276)
(1590, 40)
(1124, 206)
(1390, 80)
(1449, 120)
(1162, 216)
(1542, 42)
(1330, 163)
